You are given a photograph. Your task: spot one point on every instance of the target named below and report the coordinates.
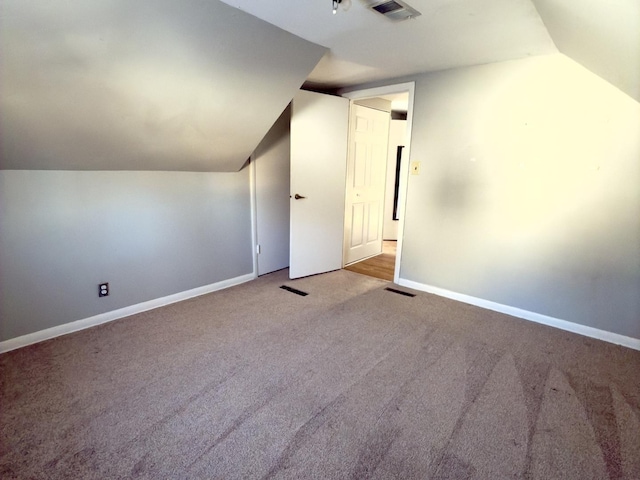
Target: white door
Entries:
(366, 175)
(319, 127)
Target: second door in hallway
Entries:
(366, 174)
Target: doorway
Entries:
(380, 266)
(318, 122)
(366, 180)
(397, 101)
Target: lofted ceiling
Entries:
(602, 35)
(364, 47)
(194, 85)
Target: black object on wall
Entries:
(397, 182)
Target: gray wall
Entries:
(528, 193)
(149, 234)
(185, 85)
(273, 167)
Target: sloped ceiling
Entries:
(195, 84)
(602, 35)
(365, 46)
(144, 85)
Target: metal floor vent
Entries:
(393, 9)
(400, 292)
(294, 290)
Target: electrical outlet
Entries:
(103, 290)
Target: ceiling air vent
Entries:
(393, 9)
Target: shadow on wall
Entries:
(456, 192)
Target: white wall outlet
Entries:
(415, 168)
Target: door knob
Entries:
(298, 197)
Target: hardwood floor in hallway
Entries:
(381, 266)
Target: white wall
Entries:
(397, 136)
(529, 191)
(375, 102)
(149, 234)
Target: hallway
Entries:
(381, 266)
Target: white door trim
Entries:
(404, 173)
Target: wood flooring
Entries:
(381, 266)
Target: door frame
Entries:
(408, 87)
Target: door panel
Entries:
(374, 222)
(319, 128)
(357, 225)
(366, 175)
(360, 167)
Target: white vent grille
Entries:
(393, 9)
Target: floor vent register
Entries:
(294, 290)
(400, 292)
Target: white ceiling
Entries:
(602, 35)
(399, 101)
(365, 46)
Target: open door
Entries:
(319, 128)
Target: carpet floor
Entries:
(349, 382)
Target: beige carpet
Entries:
(351, 381)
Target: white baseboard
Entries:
(610, 337)
(53, 332)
